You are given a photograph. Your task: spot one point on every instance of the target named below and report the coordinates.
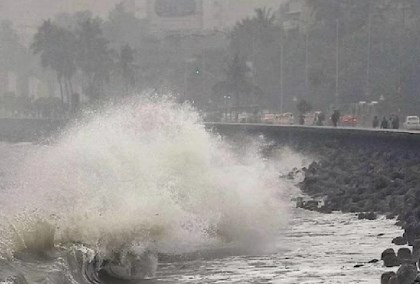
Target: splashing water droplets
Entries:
(147, 172)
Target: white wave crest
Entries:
(146, 172)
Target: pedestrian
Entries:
(375, 122)
(395, 122)
(384, 123)
(320, 119)
(335, 117)
(302, 119)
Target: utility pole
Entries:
(185, 79)
(369, 50)
(400, 61)
(281, 67)
(307, 60)
(337, 61)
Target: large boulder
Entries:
(407, 274)
(367, 216)
(393, 280)
(404, 255)
(390, 258)
(386, 276)
(416, 249)
(399, 241)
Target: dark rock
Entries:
(358, 265)
(382, 182)
(386, 276)
(399, 223)
(325, 210)
(381, 234)
(406, 274)
(393, 280)
(399, 241)
(404, 255)
(311, 205)
(390, 216)
(373, 260)
(367, 216)
(397, 175)
(390, 258)
(291, 175)
(416, 249)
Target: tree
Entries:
(250, 32)
(11, 50)
(123, 27)
(303, 106)
(93, 57)
(126, 66)
(237, 83)
(258, 38)
(57, 49)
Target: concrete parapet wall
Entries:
(28, 130)
(315, 135)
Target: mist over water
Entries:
(143, 175)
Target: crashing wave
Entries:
(136, 180)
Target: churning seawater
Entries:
(142, 191)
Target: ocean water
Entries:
(141, 191)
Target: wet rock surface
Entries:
(370, 180)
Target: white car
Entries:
(412, 123)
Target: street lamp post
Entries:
(381, 103)
(281, 67)
(368, 63)
(226, 105)
(337, 60)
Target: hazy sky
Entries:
(27, 15)
(31, 12)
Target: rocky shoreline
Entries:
(370, 180)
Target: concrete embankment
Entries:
(28, 130)
(311, 135)
(367, 172)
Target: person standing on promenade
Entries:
(395, 122)
(335, 117)
(375, 122)
(384, 123)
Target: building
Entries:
(294, 15)
(224, 14)
(197, 16)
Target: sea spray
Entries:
(145, 173)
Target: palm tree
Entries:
(247, 33)
(56, 47)
(126, 66)
(237, 82)
(93, 56)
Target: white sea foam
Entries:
(145, 173)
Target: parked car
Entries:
(278, 118)
(285, 118)
(312, 118)
(412, 122)
(348, 120)
(268, 118)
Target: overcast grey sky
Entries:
(31, 12)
